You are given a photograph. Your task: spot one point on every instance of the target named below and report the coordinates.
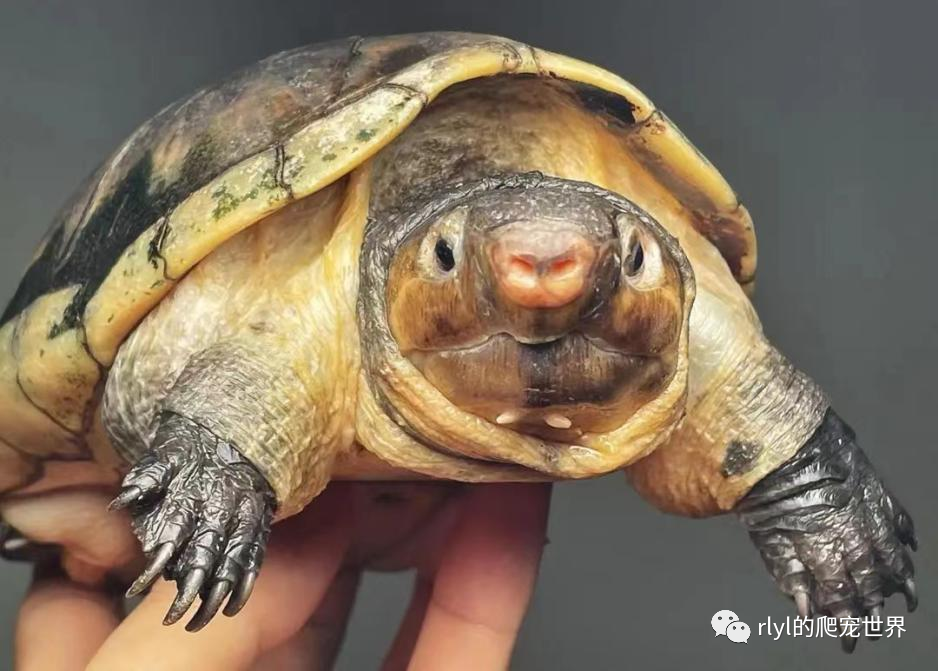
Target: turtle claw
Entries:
(11, 542)
(125, 498)
(848, 643)
(203, 514)
(905, 529)
(46, 558)
(911, 594)
(803, 604)
(876, 614)
(188, 590)
(153, 570)
(241, 596)
(210, 605)
(16, 547)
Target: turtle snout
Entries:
(542, 268)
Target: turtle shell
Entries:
(209, 166)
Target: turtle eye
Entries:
(441, 247)
(445, 258)
(635, 260)
(642, 265)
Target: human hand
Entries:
(475, 549)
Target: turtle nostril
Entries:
(563, 266)
(521, 265)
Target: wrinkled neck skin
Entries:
(409, 421)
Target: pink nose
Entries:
(540, 269)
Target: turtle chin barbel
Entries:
(456, 257)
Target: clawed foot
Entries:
(831, 535)
(203, 515)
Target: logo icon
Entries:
(727, 623)
(738, 632)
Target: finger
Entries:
(305, 555)
(401, 525)
(61, 624)
(422, 551)
(485, 579)
(402, 649)
(316, 646)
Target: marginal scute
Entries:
(678, 165)
(55, 370)
(610, 106)
(23, 426)
(565, 67)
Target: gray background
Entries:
(821, 114)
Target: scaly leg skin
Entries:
(830, 533)
(203, 513)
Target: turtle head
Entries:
(552, 309)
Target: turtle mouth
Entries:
(563, 384)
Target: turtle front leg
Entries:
(760, 440)
(247, 430)
(203, 513)
(830, 533)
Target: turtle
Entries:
(441, 256)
